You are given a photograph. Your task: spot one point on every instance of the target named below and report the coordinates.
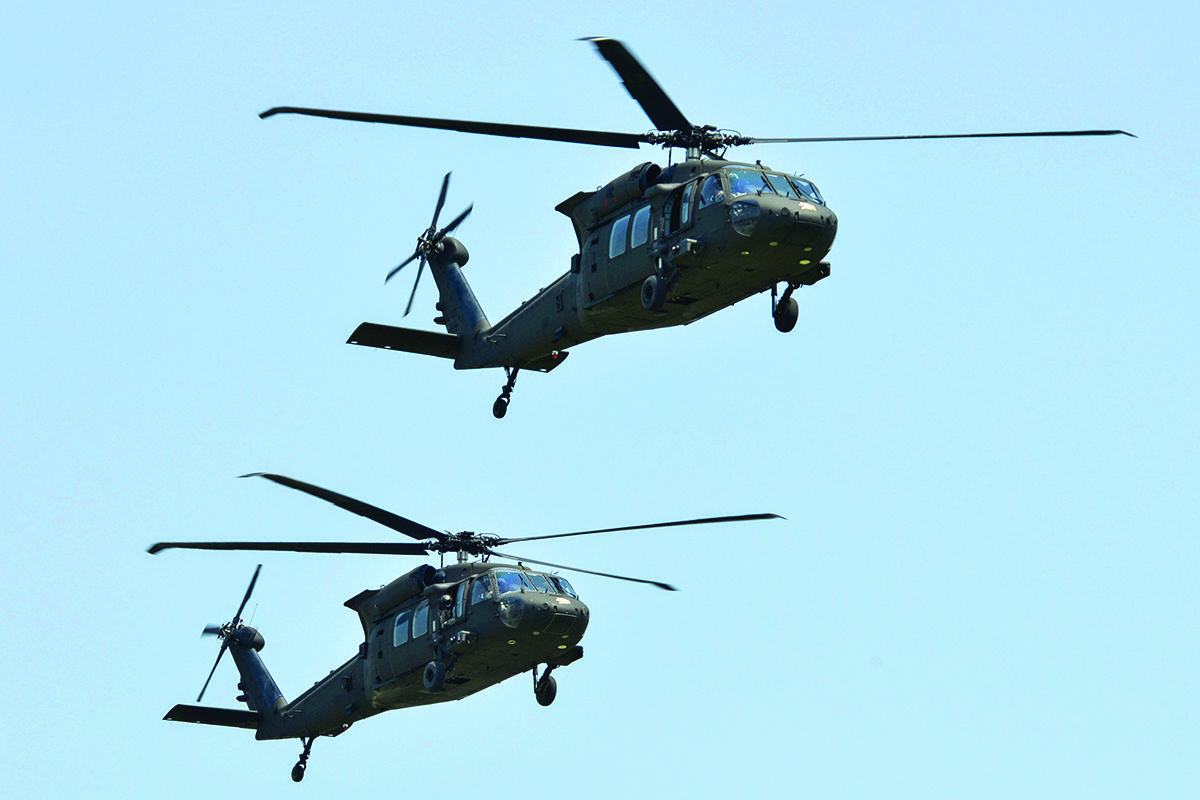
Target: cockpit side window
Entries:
(685, 206)
(808, 190)
(711, 191)
(481, 590)
(617, 237)
(565, 586)
(460, 601)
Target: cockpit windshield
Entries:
(807, 188)
(511, 580)
(750, 181)
(781, 185)
(747, 181)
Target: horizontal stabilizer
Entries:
(388, 337)
(206, 715)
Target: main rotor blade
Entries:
(704, 521)
(221, 652)
(367, 548)
(386, 518)
(665, 115)
(246, 599)
(420, 269)
(441, 201)
(602, 138)
(659, 584)
(401, 265)
(756, 140)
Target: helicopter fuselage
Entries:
(485, 622)
(712, 232)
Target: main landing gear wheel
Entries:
(301, 765)
(500, 407)
(786, 315)
(435, 676)
(786, 311)
(546, 690)
(654, 292)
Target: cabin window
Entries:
(641, 227)
(541, 583)
(512, 581)
(481, 590)
(400, 630)
(460, 601)
(420, 620)
(711, 191)
(616, 241)
(565, 586)
(685, 208)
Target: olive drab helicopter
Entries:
(430, 636)
(657, 247)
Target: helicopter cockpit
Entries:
(511, 580)
(748, 180)
(752, 181)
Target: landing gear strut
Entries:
(786, 311)
(500, 407)
(545, 688)
(298, 770)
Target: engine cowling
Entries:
(625, 189)
(407, 586)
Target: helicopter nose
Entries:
(807, 225)
(785, 221)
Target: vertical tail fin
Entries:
(461, 313)
(259, 690)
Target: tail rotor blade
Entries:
(211, 630)
(455, 222)
(401, 266)
(437, 210)
(224, 647)
(246, 599)
(411, 297)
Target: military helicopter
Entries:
(432, 635)
(657, 247)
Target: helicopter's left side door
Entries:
(410, 640)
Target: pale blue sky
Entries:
(982, 431)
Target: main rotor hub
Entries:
(466, 542)
(698, 140)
